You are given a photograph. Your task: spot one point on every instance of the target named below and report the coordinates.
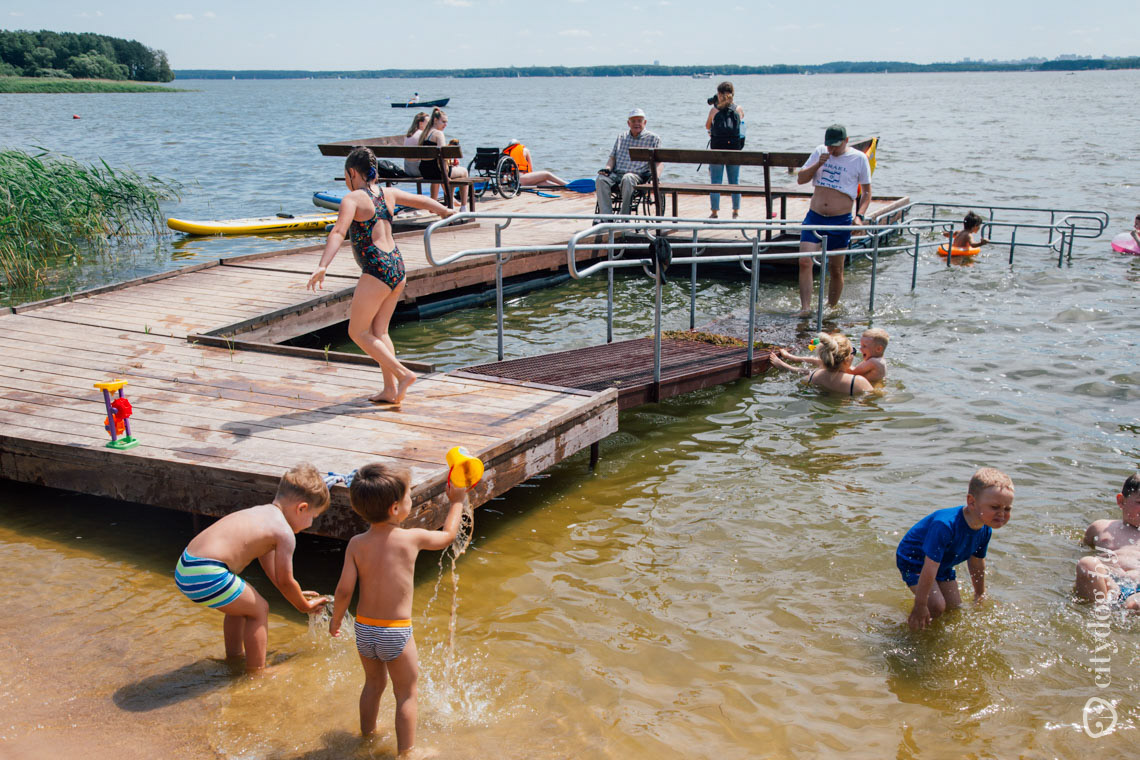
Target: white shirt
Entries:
(844, 173)
(410, 166)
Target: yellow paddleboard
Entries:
(253, 226)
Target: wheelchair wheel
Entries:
(480, 188)
(507, 177)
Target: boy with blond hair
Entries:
(207, 571)
(928, 552)
(872, 345)
(383, 560)
(1112, 575)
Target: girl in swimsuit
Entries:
(835, 375)
(365, 217)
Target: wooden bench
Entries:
(393, 147)
(765, 159)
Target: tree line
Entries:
(835, 67)
(80, 56)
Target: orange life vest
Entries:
(517, 151)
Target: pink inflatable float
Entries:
(1123, 243)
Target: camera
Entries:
(712, 100)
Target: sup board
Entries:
(331, 199)
(255, 226)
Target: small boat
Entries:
(423, 104)
(281, 223)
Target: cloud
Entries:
(84, 14)
(209, 14)
(17, 14)
(573, 33)
(456, 3)
(183, 17)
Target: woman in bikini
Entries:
(366, 218)
(835, 353)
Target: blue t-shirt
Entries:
(945, 537)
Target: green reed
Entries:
(54, 209)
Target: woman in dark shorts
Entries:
(365, 217)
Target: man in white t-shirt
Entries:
(836, 172)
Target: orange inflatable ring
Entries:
(959, 251)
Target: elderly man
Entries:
(620, 169)
(836, 171)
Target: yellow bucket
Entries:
(464, 470)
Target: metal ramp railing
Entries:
(1064, 227)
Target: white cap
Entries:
(636, 112)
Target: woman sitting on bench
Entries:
(433, 135)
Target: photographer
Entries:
(620, 169)
(725, 126)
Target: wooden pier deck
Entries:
(627, 367)
(219, 423)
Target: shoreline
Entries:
(836, 67)
(54, 86)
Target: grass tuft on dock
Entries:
(53, 208)
(32, 85)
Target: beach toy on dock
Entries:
(814, 344)
(959, 251)
(463, 470)
(1123, 243)
(117, 422)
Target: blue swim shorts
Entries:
(1126, 585)
(381, 639)
(206, 582)
(911, 571)
(836, 241)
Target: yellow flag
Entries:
(871, 153)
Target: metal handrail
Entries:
(1061, 236)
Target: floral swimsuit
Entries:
(385, 266)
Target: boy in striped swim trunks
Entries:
(207, 571)
(383, 560)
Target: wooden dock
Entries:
(222, 409)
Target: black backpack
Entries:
(725, 132)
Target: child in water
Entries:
(207, 570)
(1113, 573)
(964, 238)
(928, 552)
(872, 345)
(383, 560)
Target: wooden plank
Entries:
(27, 337)
(314, 354)
(382, 148)
(430, 401)
(31, 306)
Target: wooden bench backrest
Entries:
(732, 157)
(419, 152)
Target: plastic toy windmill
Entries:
(118, 422)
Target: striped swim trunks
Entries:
(381, 639)
(207, 582)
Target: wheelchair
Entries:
(498, 171)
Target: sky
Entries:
(301, 34)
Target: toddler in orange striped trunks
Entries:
(383, 561)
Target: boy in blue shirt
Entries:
(928, 552)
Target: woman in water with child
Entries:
(365, 216)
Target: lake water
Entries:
(724, 585)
